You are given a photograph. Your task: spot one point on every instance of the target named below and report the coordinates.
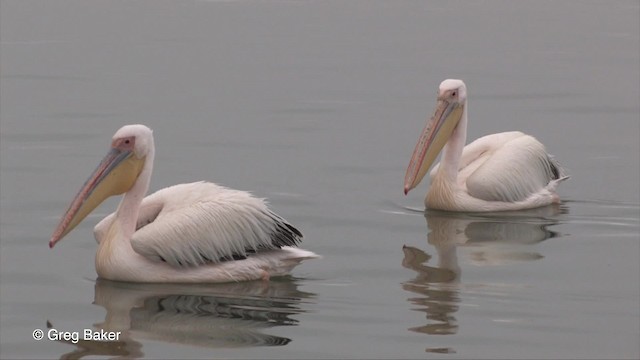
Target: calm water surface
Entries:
(316, 105)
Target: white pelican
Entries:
(198, 232)
(504, 171)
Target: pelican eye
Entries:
(453, 93)
(126, 143)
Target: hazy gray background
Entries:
(317, 105)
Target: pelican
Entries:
(187, 233)
(497, 172)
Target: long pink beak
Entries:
(90, 195)
(432, 139)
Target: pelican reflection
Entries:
(214, 316)
(492, 238)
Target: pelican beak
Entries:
(432, 139)
(115, 175)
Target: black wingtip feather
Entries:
(557, 171)
(285, 235)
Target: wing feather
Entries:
(475, 153)
(513, 171)
(204, 223)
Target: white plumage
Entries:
(504, 171)
(213, 224)
(197, 232)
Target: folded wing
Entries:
(203, 223)
(513, 170)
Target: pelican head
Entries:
(116, 174)
(452, 98)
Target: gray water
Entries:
(316, 105)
